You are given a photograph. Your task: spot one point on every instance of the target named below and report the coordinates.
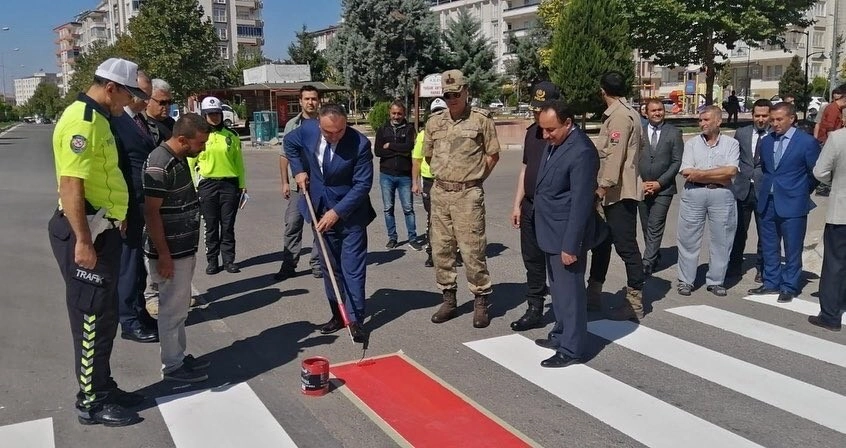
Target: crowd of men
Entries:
(133, 185)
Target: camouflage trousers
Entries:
(458, 219)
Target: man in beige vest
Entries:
(619, 193)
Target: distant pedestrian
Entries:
(461, 147)
(709, 164)
(831, 169)
(732, 107)
(172, 213)
(393, 145)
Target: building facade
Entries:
(25, 87)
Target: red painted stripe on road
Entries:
(422, 410)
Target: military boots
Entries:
(480, 312)
(447, 310)
(632, 309)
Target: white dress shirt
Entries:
(321, 148)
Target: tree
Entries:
(726, 77)
(792, 82)
(467, 50)
(87, 63)
(683, 32)
(304, 51)
(178, 45)
(583, 50)
(45, 101)
(526, 67)
(818, 86)
(383, 45)
(549, 13)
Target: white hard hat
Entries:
(210, 105)
(437, 105)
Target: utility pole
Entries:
(835, 41)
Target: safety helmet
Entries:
(210, 105)
(437, 105)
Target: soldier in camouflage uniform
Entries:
(461, 148)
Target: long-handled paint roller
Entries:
(328, 260)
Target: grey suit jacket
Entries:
(750, 169)
(831, 169)
(662, 164)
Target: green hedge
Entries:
(379, 115)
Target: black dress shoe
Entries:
(332, 326)
(126, 399)
(140, 335)
(109, 414)
(759, 278)
(559, 360)
(359, 334)
(551, 344)
(817, 320)
(232, 268)
(762, 290)
(212, 268)
(785, 297)
(531, 319)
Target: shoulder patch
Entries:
(228, 141)
(484, 112)
(78, 143)
(615, 136)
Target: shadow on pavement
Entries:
(245, 359)
(261, 259)
(384, 257)
(238, 287)
(239, 305)
(495, 249)
(387, 305)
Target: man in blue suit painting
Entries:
(334, 163)
(788, 156)
(565, 227)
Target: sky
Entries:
(31, 24)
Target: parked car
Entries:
(814, 105)
(496, 104)
(230, 117)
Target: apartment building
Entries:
(25, 87)
(68, 51)
(238, 23)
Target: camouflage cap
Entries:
(452, 81)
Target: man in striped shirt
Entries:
(172, 216)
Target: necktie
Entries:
(141, 124)
(756, 154)
(653, 141)
(779, 150)
(327, 157)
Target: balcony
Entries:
(249, 21)
(527, 10)
(248, 3)
(250, 40)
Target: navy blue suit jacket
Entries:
(793, 181)
(343, 185)
(565, 207)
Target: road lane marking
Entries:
(789, 394)
(230, 415)
(636, 414)
(31, 434)
(417, 409)
(797, 305)
(767, 333)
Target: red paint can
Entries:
(315, 376)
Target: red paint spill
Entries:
(419, 408)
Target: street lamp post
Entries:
(3, 74)
(805, 93)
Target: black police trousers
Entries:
(219, 200)
(91, 296)
(622, 222)
(534, 259)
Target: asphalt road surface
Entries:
(698, 371)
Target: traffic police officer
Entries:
(85, 234)
(220, 170)
(461, 148)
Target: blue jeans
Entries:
(402, 185)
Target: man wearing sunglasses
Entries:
(158, 111)
(461, 148)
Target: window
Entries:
(222, 33)
(773, 72)
(220, 2)
(816, 69)
(218, 14)
(819, 9)
(817, 39)
(250, 31)
(224, 52)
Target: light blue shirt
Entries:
(698, 154)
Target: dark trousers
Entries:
(91, 296)
(132, 277)
(293, 238)
(219, 204)
(348, 252)
(745, 210)
(569, 303)
(833, 275)
(534, 259)
(653, 219)
(427, 205)
(622, 223)
(776, 230)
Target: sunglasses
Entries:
(163, 102)
(452, 95)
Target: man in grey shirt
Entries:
(709, 163)
(293, 238)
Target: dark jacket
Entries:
(749, 171)
(134, 146)
(396, 159)
(161, 130)
(662, 164)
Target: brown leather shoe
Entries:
(480, 312)
(447, 310)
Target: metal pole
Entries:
(3, 64)
(832, 73)
(805, 86)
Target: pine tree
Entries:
(526, 67)
(583, 50)
(792, 82)
(383, 45)
(468, 51)
(304, 51)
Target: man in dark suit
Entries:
(134, 142)
(565, 227)
(334, 163)
(788, 156)
(660, 159)
(750, 139)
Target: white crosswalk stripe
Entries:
(31, 434)
(798, 305)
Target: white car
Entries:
(496, 105)
(814, 105)
(230, 117)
